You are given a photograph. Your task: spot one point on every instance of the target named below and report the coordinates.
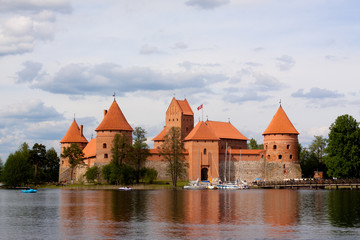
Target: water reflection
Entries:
(208, 214)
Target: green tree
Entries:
(308, 162)
(254, 145)
(92, 174)
(318, 146)
(1, 168)
(75, 156)
(118, 174)
(149, 174)
(172, 151)
(50, 167)
(37, 156)
(343, 150)
(121, 149)
(17, 169)
(140, 150)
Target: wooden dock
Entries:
(311, 184)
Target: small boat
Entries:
(125, 188)
(29, 190)
(211, 187)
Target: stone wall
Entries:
(276, 171)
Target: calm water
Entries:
(181, 214)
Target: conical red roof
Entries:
(73, 135)
(280, 124)
(114, 120)
(201, 132)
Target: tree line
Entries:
(337, 156)
(30, 166)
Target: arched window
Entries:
(290, 156)
(104, 145)
(288, 146)
(280, 156)
(274, 147)
(268, 156)
(204, 151)
(105, 155)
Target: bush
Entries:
(92, 174)
(119, 174)
(148, 174)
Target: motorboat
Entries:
(195, 185)
(125, 188)
(30, 190)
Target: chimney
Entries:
(105, 112)
(81, 130)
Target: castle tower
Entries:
(203, 147)
(281, 147)
(73, 135)
(114, 122)
(178, 114)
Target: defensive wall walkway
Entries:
(311, 184)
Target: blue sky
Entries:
(238, 58)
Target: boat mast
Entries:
(225, 163)
(229, 166)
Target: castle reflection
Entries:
(178, 213)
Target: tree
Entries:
(121, 149)
(1, 168)
(140, 150)
(318, 146)
(173, 152)
(308, 162)
(75, 156)
(50, 167)
(17, 169)
(343, 150)
(92, 174)
(37, 156)
(254, 145)
(118, 174)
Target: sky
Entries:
(62, 59)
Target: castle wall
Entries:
(156, 161)
(232, 143)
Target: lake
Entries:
(180, 214)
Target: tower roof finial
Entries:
(280, 102)
(114, 95)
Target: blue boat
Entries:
(29, 190)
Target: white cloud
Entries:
(285, 62)
(148, 50)
(207, 4)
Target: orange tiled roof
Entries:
(114, 120)
(225, 130)
(160, 136)
(90, 149)
(185, 107)
(280, 124)
(201, 132)
(243, 151)
(73, 135)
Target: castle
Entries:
(213, 150)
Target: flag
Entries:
(200, 107)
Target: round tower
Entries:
(73, 135)
(281, 147)
(114, 122)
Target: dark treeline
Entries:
(30, 166)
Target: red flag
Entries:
(200, 107)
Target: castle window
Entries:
(204, 151)
(62, 162)
(268, 157)
(104, 145)
(105, 155)
(177, 119)
(284, 166)
(290, 156)
(266, 146)
(275, 147)
(280, 156)
(288, 146)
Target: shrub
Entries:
(92, 174)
